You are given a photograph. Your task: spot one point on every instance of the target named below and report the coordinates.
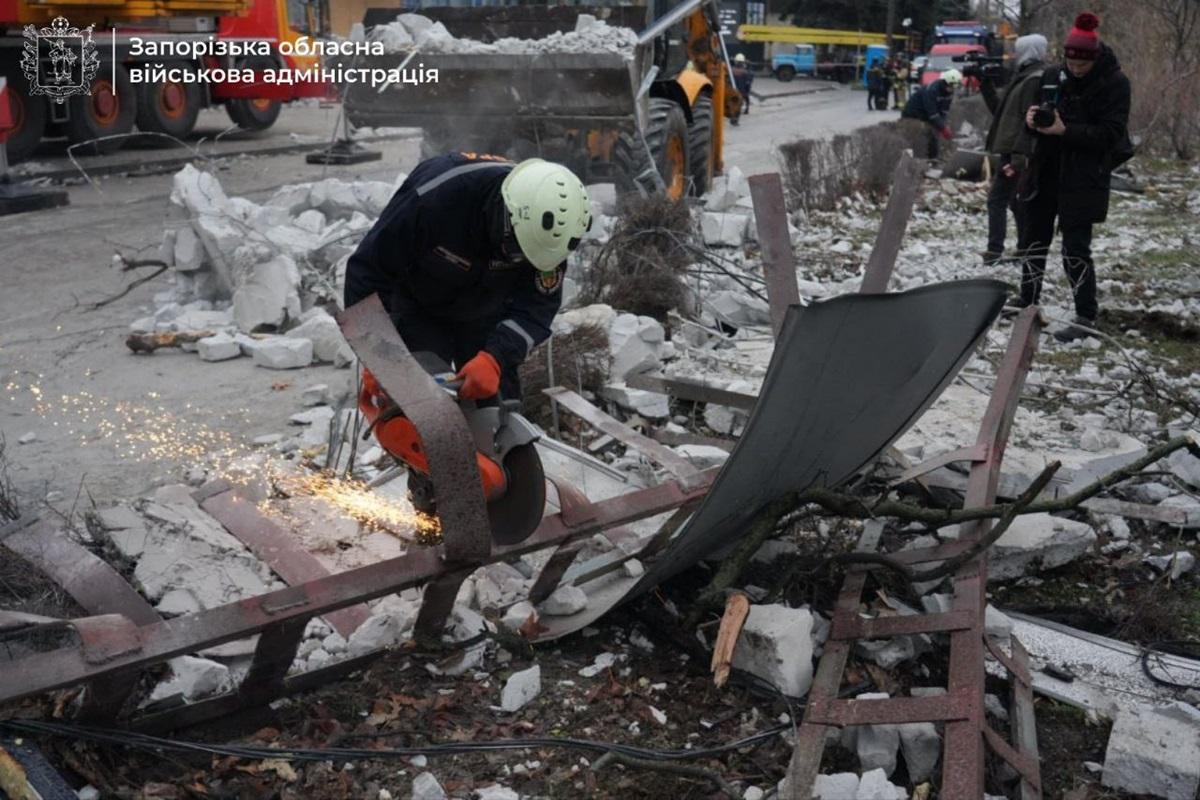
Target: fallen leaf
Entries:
(279, 386)
(882, 679)
(531, 629)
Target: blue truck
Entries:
(803, 61)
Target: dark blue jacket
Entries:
(430, 253)
(930, 103)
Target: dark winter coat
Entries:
(430, 253)
(743, 79)
(1008, 134)
(930, 103)
(1095, 110)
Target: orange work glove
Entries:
(481, 377)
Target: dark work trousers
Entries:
(1001, 197)
(454, 342)
(1040, 213)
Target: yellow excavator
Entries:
(648, 120)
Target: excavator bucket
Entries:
(504, 97)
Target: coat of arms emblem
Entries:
(59, 60)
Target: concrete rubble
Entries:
(776, 644)
(1154, 752)
(521, 688)
(413, 31)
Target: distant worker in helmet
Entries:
(743, 79)
(931, 105)
(468, 258)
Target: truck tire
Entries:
(169, 108)
(785, 73)
(28, 114)
(700, 144)
(108, 111)
(254, 114)
(667, 136)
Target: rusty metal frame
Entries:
(906, 182)
(962, 707)
(779, 263)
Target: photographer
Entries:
(931, 105)
(1082, 133)
(1008, 138)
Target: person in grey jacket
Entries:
(1009, 139)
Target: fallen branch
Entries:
(686, 770)
(136, 264)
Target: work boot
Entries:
(420, 492)
(1076, 330)
(991, 258)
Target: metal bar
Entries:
(973, 454)
(273, 545)
(552, 573)
(690, 390)
(273, 656)
(605, 423)
(847, 629)
(927, 555)
(779, 265)
(1018, 671)
(449, 446)
(963, 764)
(894, 710)
(42, 672)
(89, 580)
(906, 180)
(810, 739)
(99, 589)
(675, 439)
(1023, 724)
(1030, 774)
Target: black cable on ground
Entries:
(1184, 647)
(158, 744)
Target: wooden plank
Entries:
(779, 265)
(737, 608)
(905, 182)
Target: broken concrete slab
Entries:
(723, 229)
(877, 745)
(317, 394)
(651, 405)
(922, 748)
(194, 678)
(281, 352)
(565, 601)
(1177, 564)
(635, 344)
(841, 786)
(776, 644)
(1152, 753)
(737, 308)
(521, 688)
(322, 330)
(267, 295)
(703, 456)
(874, 785)
(517, 615)
(220, 347)
(727, 190)
(1038, 540)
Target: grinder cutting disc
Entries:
(516, 515)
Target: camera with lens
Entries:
(1043, 115)
(983, 67)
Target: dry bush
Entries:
(641, 267)
(818, 172)
(580, 363)
(9, 508)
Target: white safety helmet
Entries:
(740, 58)
(952, 77)
(548, 209)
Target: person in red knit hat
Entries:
(1081, 127)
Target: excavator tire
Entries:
(700, 153)
(667, 137)
(28, 114)
(110, 109)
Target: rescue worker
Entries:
(931, 105)
(877, 82)
(900, 78)
(468, 258)
(743, 79)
